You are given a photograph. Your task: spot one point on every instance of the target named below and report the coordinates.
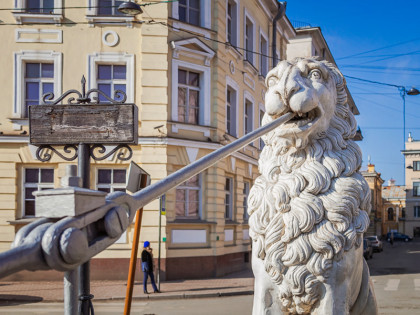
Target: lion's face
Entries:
(305, 88)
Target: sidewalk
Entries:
(240, 283)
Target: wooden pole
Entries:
(133, 261)
(134, 251)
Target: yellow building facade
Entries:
(394, 209)
(196, 71)
(375, 182)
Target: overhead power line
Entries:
(381, 48)
(381, 68)
(375, 82)
(87, 7)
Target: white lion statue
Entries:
(309, 207)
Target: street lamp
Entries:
(130, 8)
(403, 91)
(413, 91)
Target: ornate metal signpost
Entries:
(83, 127)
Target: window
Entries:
(39, 80)
(228, 198)
(417, 211)
(231, 101)
(192, 15)
(416, 165)
(109, 7)
(110, 72)
(390, 214)
(416, 188)
(40, 6)
(35, 179)
(263, 56)
(189, 11)
(248, 117)
(38, 11)
(246, 194)
(111, 78)
(36, 73)
(232, 26)
(188, 96)
(106, 11)
(179, 95)
(262, 144)
(110, 180)
(249, 39)
(188, 199)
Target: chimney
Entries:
(371, 168)
(410, 138)
(391, 182)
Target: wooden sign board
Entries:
(91, 124)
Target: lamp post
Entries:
(403, 91)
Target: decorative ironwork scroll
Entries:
(101, 149)
(83, 98)
(43, 155)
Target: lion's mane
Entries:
(309, 205)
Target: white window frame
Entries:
(264, 36)
(20, 59)
(23, 17)
(231, 193)
(230, 83)
(235, 24)
(93, 17)
(112, 58)
(416, 212)
(204, 97)
(415, 193)
(253, 48)
(205, 13)
(200, 200)
(205, 18)
(248, 97)
(39, 186)
(112, 185)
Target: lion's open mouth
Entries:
(304, 119)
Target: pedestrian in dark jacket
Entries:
(147, 267)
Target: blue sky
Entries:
(392, 29)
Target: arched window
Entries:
(390, 214)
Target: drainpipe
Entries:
(281, 11)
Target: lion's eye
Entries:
(271, 81)
(315, 75)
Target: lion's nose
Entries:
(300, 97)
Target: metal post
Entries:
(84, 270)
(71, 278)
(402, 93)
(161, 208)
(71, 287)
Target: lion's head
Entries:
(309, 88)
(310, 205)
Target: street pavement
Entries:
(395, 274)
